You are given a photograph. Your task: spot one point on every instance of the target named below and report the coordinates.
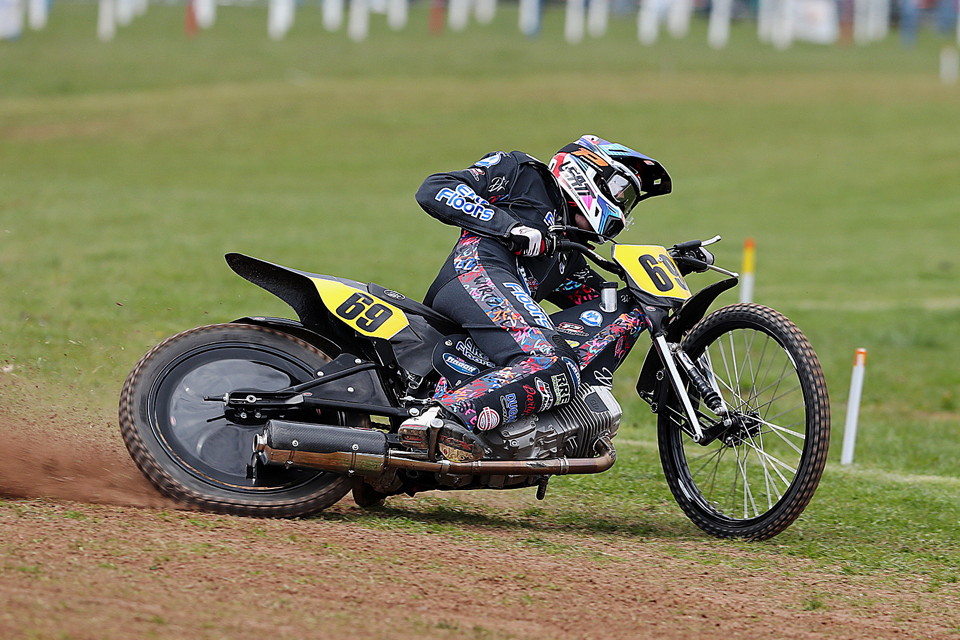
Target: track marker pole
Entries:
(458, 14)
(107, 20)
(746, 273)
(573, 27)
(530, 17)
(648, 22)
(853, 406)
(718, 31)
(37, 14)
(598, 17)
(949, 64)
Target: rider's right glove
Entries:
(533, 239)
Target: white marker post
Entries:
(598, 17)
(853, 406)
(206, 13)
(397, 14)
(458, 14)
(648, 22)
(718, 31)
(485, 10)
(37, 14)
(746, 273)
(358, 20)
(573, 27)
(106, 21)
(678, 18)
(530, 18)
(949, 64)
(332, 14)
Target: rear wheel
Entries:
(191, 451)
(759, 473)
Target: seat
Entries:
(439, 321)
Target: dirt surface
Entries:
(89, 550)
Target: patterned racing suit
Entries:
(494, 294)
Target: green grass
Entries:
(127, 170)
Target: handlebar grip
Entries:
(569, 245)
(694, 264)
(515, 244)
(689, 244)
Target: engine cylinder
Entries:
(570, 430)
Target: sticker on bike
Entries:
(652, 270)
(369, 315)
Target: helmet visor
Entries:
(623, 192)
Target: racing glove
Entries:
(528, 241)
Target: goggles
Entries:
(623, 191)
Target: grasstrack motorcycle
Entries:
(269, 416)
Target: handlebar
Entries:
(593, 256)
(679, 252)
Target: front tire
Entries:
(186, 446)
(756, 478)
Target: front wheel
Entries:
(756, 477)
(191, 451)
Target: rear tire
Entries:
(759, 476)
(186, 447)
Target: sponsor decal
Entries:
(550, 219)
(532, 307)
(488, 419)
(396, 295)
(591, 318)
(471, 352)
(591, 157)
(531, 394)
(573, 176)
(462, 366)
(477, 173)
(466, 200)
(511, 410)
(574, 371)
(572, 328)
(573, 343)
(546, 397)
(497, 184)
(562, 388)
(603, 377)
(489, 161)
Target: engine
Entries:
(570, 430)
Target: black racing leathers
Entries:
(494, 294)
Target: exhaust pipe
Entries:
(352, 450)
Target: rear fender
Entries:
(297, 289)
(346, 313)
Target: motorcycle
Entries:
(268, 416)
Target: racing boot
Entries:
(454, 441)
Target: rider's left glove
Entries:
(535, 244)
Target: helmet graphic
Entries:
(605, 181)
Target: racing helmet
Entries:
(604, 181)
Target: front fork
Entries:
(675, 358)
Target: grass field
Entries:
(128, 169)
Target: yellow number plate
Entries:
(652, 269)
(369, 315)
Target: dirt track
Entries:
(89, 550)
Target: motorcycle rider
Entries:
(500, 269)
